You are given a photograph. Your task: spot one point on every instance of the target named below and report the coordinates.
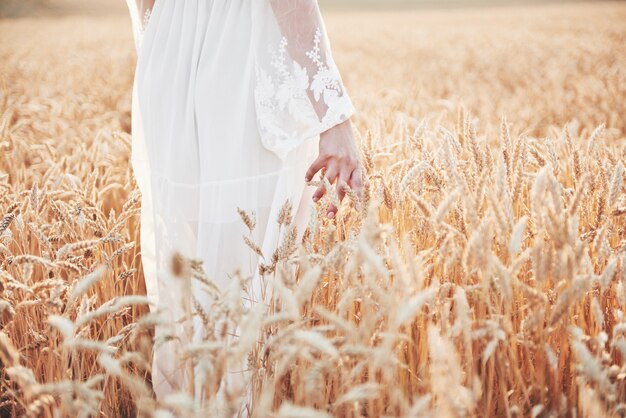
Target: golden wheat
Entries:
(481, 274)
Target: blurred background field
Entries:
(64, 7)
(494, 144)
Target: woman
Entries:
(236, 103)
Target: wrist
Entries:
(342, 129)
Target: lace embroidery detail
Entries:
(325, 82)
(146, 19)
(285, 113)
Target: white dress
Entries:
(229, 99)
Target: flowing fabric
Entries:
(229, 100)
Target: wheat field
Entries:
(483, 274)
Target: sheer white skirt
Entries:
(198, 156)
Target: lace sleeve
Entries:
(140, 11)
(299, 92)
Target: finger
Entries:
(332, 171)
(315, 167)
(332, 211)
(330, 174)
(356, 181)
(342, 181)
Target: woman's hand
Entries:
(339, 160)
